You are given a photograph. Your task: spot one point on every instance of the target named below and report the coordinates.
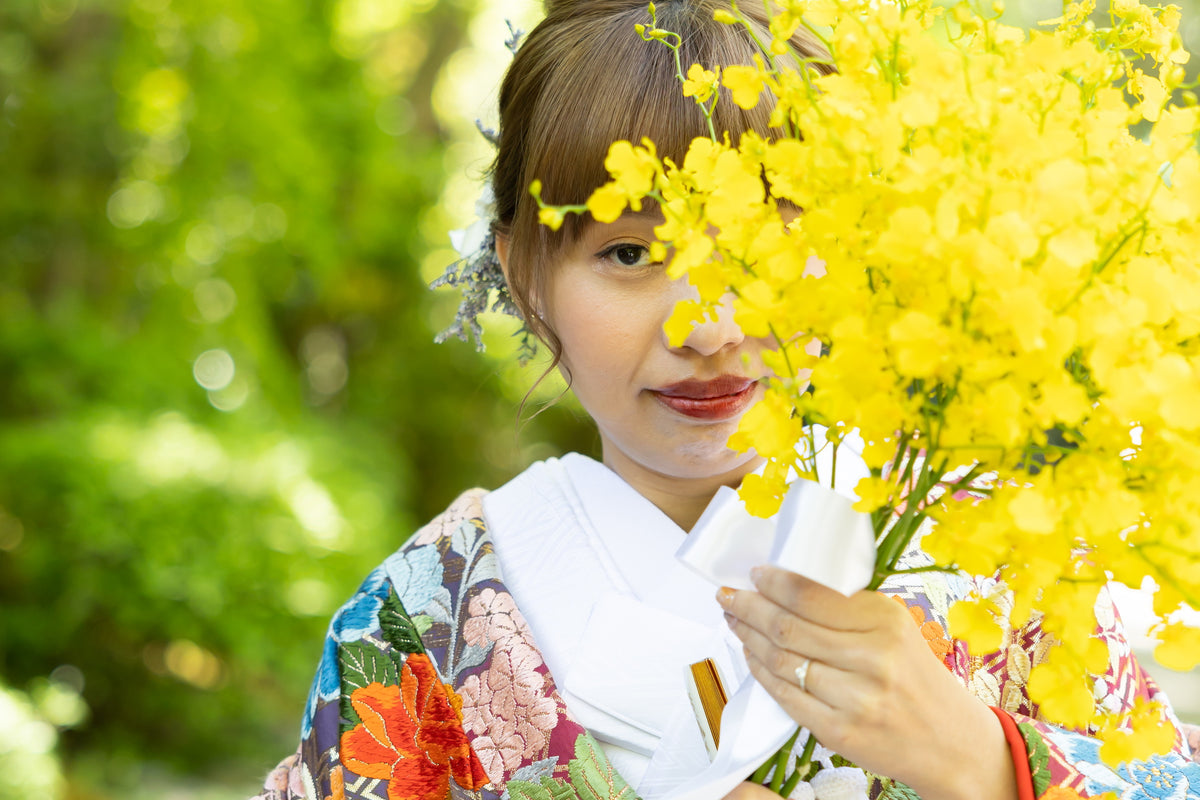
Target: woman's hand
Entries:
(873, 692)
(751, 791)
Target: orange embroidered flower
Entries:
(337, 784)
(412, 736)
(931, 629)
(1061, 793)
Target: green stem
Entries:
(780, 762)
(833, 468)
(932, 568)
(803, 767)
(760, 774)
(895, 543)
(792, 780)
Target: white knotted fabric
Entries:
(816, 534)
(618, 618)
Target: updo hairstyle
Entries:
(582, 79)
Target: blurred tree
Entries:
(220, 404)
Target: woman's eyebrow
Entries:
(649, 211)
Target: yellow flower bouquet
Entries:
(968, 259)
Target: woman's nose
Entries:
(715, 334)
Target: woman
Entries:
(530, 642)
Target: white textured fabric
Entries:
(591, 564)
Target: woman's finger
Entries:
(803, 706)
(751, 791)
(813, 601)
(823, 680)
(789, 631)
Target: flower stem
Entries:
(780, 761)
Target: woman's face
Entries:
(664, 413)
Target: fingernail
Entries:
(724, 596)
(755, 574)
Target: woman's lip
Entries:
(705, 390)
(720, 399)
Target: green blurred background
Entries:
(220, 403)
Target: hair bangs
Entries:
(584, 79)
(615, 86)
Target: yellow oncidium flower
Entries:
(700, 83)
(1007, 290)
(745, 83)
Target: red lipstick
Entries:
(717, 399)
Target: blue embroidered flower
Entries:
(1163, 778)
(360, 615)
(416, 574)
(325, 686)
(375, 584)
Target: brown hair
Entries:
(583, 79)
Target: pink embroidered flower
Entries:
(467, 507)
(508, 710)
(494, 617)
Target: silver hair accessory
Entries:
(477, 272)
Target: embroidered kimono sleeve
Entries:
(1060, 757)
(379, 720)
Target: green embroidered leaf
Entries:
(350, 717)
(422, 622)
(362, 664)
(559, 790)
(1039, 757)
(895, 790)
(840, 761)
(526, 790)
(398, 628)
(592, 776)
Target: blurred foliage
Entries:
(220, 404)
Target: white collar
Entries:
(642, 542)
(591, 564)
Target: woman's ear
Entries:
(502, 243)
(502, 253)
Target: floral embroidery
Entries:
(931, 629)
(379, 708)
(1061, 793)
(1162, 780)
(508, 710)
(358, 617)
(337, 784)
(591, 778)
(467, 506)
(494, 617)
(417, 575)
(411, 735)
(325, 686)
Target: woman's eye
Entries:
(628, 255)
